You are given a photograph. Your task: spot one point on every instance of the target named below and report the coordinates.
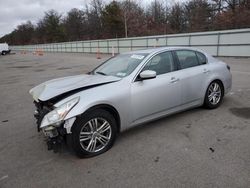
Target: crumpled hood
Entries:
(56, 87)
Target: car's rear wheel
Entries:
(214, 95)
(93, 133)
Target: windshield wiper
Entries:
(102, 73)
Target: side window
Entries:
(187, 58)
(201, 58)
(161, 63)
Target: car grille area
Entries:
(54, 135)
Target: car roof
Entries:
(159, 49)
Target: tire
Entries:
(214, 95)
(92, 139)
(4, 53)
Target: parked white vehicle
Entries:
(4, 48)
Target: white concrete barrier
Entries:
(217, 43)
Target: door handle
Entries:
(206, 71)
(173, 80)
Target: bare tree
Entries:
(129, 18)
(94, 19)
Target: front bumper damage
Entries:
(55, 136)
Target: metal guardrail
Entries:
(217, 43)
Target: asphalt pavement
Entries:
(196, 148)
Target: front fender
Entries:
(118, 98)
(82, 107)
(78, 110)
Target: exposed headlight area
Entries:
(56, 116)
(50, 120)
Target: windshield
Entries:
(121, 65)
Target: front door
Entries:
(154, 97)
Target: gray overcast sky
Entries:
(15, 12)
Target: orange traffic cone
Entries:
(40, 52)
(98, 56)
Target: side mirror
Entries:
(147, 74)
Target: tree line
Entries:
(128, 18)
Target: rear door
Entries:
(194, 71)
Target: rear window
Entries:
(201, 58)
(187, 58)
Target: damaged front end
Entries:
(50, 120)
(52, 105)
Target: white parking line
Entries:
(241, 72)
(239, 90)
(4, 177)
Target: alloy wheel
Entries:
(214, 93)
(95, 135)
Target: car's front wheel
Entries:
(93, 133)
(214, 95)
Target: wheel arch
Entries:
(111, 110)
(221, 83)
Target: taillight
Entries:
(228, 67)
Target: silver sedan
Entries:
(89, 110)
